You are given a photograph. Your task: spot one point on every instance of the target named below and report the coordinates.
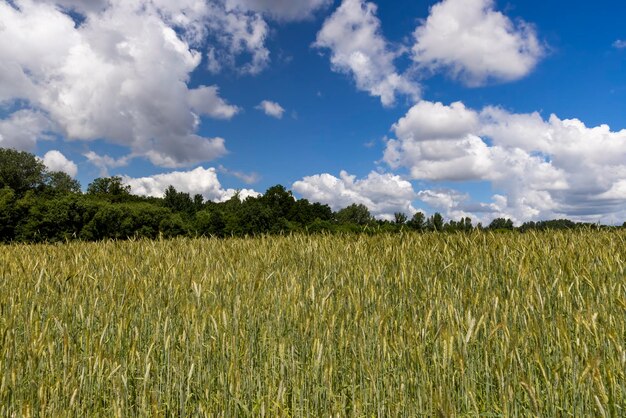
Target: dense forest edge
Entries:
(38, 205)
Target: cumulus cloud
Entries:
(272, 109)
(383, 194)
(428, 120)
(456, 205)
(22, 129)
(205, 100)
(200, 180)
(234, 35)
(56, 161)
(544, 168)
(475, 42)
(358, 48)
(104, 162)
(280, 9)
(122, 73)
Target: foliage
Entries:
(179, 201)
(58, 182)
(417, 222)
(400, 218)
(435, 222)
(20, 171)
(357, 214)
(501, 224)
(41, 206)
(108, 186)
(7, 214)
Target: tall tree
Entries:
(417, 222)
(7, 214)
(435, 222)
(501, 223)
(111, 186)
(59, 182)
(21, 171)
(354, 214)
(178, 201)
(278, 200)
(400, 218)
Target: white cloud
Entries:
(205, 100)
(358, 48)
(104, 162)
(544, 168)
(272, 109)
(428, 120)
(475, 42)
(200, 180)
(56, 161)
(122, 75)
(455, 205)
(619, 44)
(237, 34)
(290, 10)
(446, 201)
(22, 129)
(383, 194)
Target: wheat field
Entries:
(387, 325)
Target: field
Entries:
(386, 325)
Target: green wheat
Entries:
(387, 325)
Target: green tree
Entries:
(501, 223)
(417, 222)
(305, 213)
(60, 183)
(354, 214)
(21, 171)
(255, 217)
(210, 223)
(142, 220)
(106, 223)
(198, 202)
(173, 226)
(400, 218)
(7, 214)
(54, 218)
(279, 201)
(435, 222)
(467, 224)
(178, 201)
(108, 186)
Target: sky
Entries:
(479, 108)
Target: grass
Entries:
(389, 325)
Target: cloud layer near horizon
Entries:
(203, 181)
(384, 194)
(543, 168)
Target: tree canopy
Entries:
(21, 171)
(37, 205)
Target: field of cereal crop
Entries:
(389, 325)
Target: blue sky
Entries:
(467, 107)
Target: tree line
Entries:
(38, 205)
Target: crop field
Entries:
(388, 325)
